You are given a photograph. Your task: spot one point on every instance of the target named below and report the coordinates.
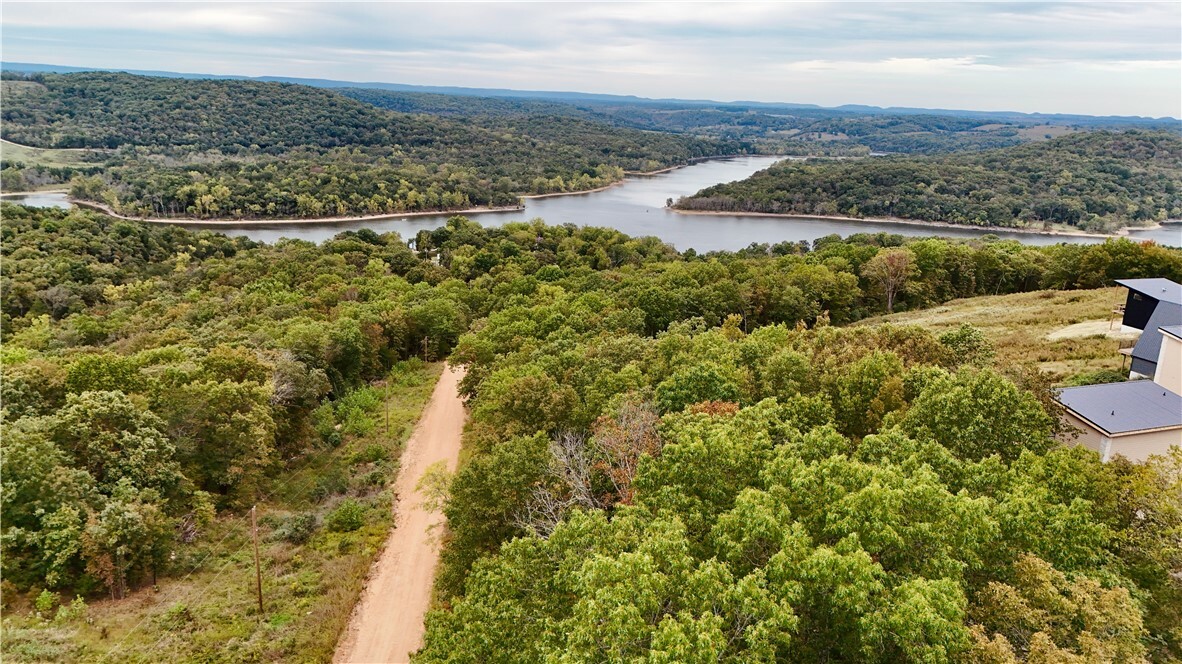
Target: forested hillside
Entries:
(768, 128)
(246, 149)
(1097, 181)
(688, 447)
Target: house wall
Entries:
(1088, 436)
(1139, 447)
(1140, 368)
(1138, 308)
(1168, 372)
(1135, 447)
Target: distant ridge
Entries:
(567, 96)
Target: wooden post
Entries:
(258, 574)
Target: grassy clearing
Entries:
(17, 89)
(1045, 132)
(1019, 326)
(319, 533)
(43, 157)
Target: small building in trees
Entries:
(1151, 304)
(1136, 418)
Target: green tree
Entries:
(130, 532)
(891, 270)
(113, 440)
(976, 413)
(1042, 615)
(695, 384)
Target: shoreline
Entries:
(1121, 232)
(34, 192)
(190, 221)
(573, 193)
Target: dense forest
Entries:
(672, 455)
(1096, 181)
(768, 128)
(150, 146)
(244, 149)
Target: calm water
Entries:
(51, 200)
(637, 207)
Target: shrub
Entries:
(45, 603)
(1096, 377)
(355, 411)
(347, 517)
(968, 345)
(296, 529)
(178, 616)
(372, 479)
(332, 482)
(75, 610)
(373, 453)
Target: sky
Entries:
(1078, 57)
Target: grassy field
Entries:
(42, 157)
(207, 611)
(1044, 328)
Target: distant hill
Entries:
(254, 149)
(1096, 181)
(631, 99)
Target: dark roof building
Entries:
(1135, 419)
(1151, 304)
(1118, 409)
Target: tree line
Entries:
(1096, 181)
(248, 149)
(768, 128)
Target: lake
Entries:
(637, 207)
(44, 199)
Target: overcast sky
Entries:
(1118, 58)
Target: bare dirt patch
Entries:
(1093, 328)
(387, 625)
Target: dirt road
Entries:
(387, 624)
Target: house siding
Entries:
(1135, 447)
(1168, 372)
(1138, 308)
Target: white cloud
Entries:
(1069, 57)
(181, 18)
(902, 66)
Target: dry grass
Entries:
(211, 614)
(11, 89)
(1019, 326)
(1044, 132)
(44, 157)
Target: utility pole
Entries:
(387, 400)
(258, 574)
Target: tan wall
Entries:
(1140, 446)
(1088, 437)
(1169, 364)
(1135, 447)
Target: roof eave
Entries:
(1117, 434)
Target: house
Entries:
(1136, 418)
(1169, 362)
(1151, 304)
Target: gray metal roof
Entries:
(1156, 288)
(1120, 408)
(1166, 314)
(1173, 330)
